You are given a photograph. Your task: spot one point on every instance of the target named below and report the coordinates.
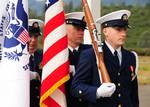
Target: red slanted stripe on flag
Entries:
(48, 84)
(54, 23)
(62, 88)
(51, 103)
(57, 47)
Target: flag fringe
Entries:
(52, 89)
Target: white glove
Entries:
(72, 70)
(106, 90)
(34, 75)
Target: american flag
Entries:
(55, 59)
(23, 36)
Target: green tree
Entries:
(69, 7)
(144, 40)
(32, 14)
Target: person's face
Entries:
(116, 36)
(35, 25)
(75, 34)
(33, 44)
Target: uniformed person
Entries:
(120, 63)
(35, 66)
(75, 25)
(36, 25)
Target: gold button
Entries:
(80, 99)
(119, 95)
(119, 84)
(80, 92)
(38, 97)
(119, 105)
(36, 88)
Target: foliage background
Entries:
(138, 36)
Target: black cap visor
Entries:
(34, 31)
(75, 22)
(116, 23)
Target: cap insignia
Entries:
(124, 17)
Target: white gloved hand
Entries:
(34, 75)
(72, 70)
(106, 90)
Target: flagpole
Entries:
(95, 7)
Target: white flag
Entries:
(14, 78)
(2, 13)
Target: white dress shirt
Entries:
(113, 50)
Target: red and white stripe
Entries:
(55, 59)
(23, 37)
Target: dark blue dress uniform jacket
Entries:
(86, 80)
(73, 58)
(34, 64)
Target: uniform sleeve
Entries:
(134, 86)
(81, 84)
(134, 93)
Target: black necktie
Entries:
(75, 52)
(31, 63)
(116, 58)
(75, 56)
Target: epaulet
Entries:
(137, 65)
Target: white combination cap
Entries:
(75, 15)
(76, 18)
(117, 18)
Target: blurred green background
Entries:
(138, 37)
